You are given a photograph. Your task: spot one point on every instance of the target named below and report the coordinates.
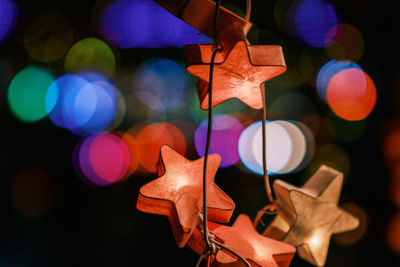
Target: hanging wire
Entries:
(212, 245)
(248, 10)
(264, 146)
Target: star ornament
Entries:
(309, 215)
(240, 70)
(243, 238)
(178, 193)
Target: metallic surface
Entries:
(308, 216)
(239, 70)
(177, 193)
(243, 238)
(200, 14)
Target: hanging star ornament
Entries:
(178, 193)
(200, 14)
(243, 238)
(309, 215)
(240, 70)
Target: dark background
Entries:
(102, 227)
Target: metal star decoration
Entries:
(240, 70)
(200, 13)
(308, 216)
(243, 238)
(177, 193)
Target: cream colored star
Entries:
(309, 215)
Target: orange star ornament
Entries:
(308, 216)
(243, 238)
(178, 193)
(240, 70)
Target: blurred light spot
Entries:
(134, 152)
(295, 106)
(329, 154)
(104, 159)
(137, 111)
(351, 94)
(34, 191)
(27, 93)
(393, 233)
(347, 42)
(225, 135)
(159, 83)
(81, 106)
(245, 147)
(90, 54)
(286, 147)
(136, 23)
(391, 147)
(311, 20)
(8, 17)
(329, 70)
(150, 137)
(351, 237)
(48, 37)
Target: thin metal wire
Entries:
(201, 258)
(248, 10)
(212, 245)
(209, 129)
(264, 146)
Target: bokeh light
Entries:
(286, 147)
(159, 83)
(150, 137)
(90, 54)
(34, 191)
(351, 237)
(351, 94)
(8, 17)
(48, 37)
(27, 93)
(393, 233)
(225, 135)
(311, 21)
(103, 159)
(137, 23)
(329, 70)
(347, 43)
(82, 106)
(391, 147)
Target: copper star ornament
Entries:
(240, 70)
(243, 238)
(200, 14)
(178, 193)
(309, 215)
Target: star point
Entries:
(178, 194)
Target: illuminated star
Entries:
(309, 215)
(178, 193)
(243, 238)
(240, 70)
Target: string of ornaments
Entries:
(185, 191)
